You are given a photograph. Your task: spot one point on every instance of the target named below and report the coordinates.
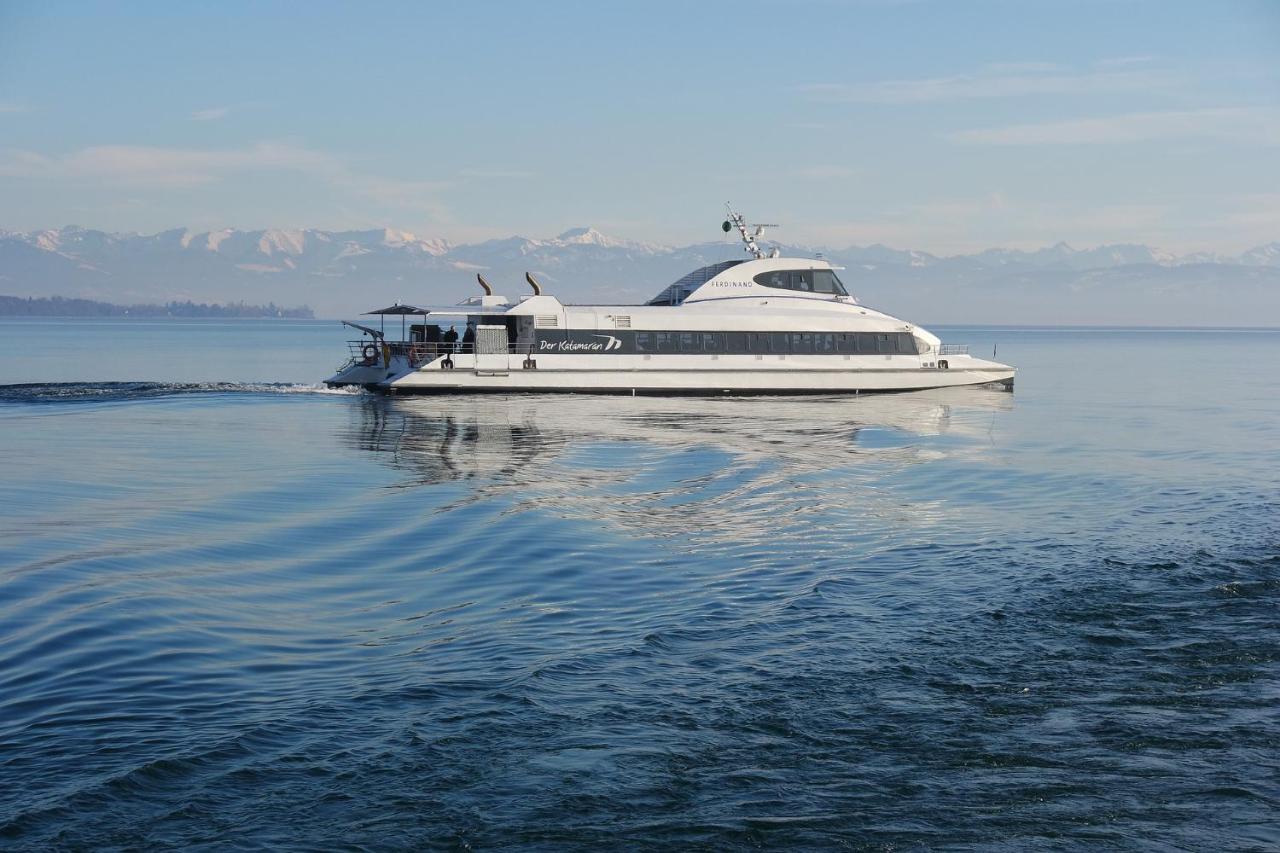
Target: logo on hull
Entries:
(608, 344)
(611, 343)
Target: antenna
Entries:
(750, 233)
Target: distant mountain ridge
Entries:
(282, 244)
(58, 306)
(344, 272)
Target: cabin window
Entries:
(801, 342)
(826, 343)
(775, 278)
(805, 281)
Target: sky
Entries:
(942, 126)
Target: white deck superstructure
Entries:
(762, 325)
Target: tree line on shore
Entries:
(60, 306)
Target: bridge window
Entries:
(805, 281)
(826, 281)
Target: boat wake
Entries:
(105, 392)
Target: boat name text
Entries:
(608, 343)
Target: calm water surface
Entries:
(238, 611)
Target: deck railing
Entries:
(953, 349)
(373, 353)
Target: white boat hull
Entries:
(695, 375)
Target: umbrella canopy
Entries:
(399, 309)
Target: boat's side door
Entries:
(491, 349)
(526, 337)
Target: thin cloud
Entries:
(211, 114)
(1124, 61)
(1235, 124)
(496, 173)
(826, 172)
(10, 107)
(1258, 208)
(155, 167)
(948, 226)
(16, 163)
(149, 167)
(1022, 67)
(1007, 80)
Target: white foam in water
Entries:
(58, 392)
(295, 388)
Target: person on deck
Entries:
(450, 340)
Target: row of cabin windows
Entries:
(807, 281)
(740, 343)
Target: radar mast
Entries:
(750, 233)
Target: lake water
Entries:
(238, 611)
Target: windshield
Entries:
(806, 281)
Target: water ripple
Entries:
(327, 621)
(117, 392)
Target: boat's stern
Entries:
(372, 364)
(961, 367)
(363, 375)
(986, 372)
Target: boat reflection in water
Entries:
(727, 469)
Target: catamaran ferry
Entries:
(758, 325)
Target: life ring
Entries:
(370, 354)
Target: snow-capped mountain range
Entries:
(340, 273)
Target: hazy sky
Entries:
(943, 126)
